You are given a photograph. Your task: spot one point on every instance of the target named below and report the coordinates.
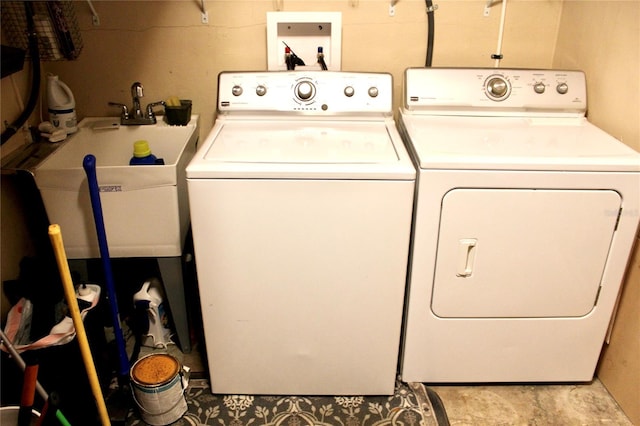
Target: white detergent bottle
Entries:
(158, 334)
(62, 105)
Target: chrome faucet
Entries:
(137, 117)
(137, 92)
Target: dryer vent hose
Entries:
(35, 76)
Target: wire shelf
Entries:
(56, 25)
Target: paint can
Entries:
(158, 382)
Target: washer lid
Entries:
(515, 143)
(303, 149)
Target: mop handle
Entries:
(28, 394)
(89, 165)
(70, 295)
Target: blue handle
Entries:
(89, 165)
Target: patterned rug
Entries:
(412, 404)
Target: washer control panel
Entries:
(302, 92)
(495, 90)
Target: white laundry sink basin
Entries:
(145, 208)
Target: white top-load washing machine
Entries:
(301, 200)
(525, 217)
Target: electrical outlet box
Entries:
(304, 33)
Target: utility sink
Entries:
(145, 208)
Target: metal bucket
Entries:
(158, 382)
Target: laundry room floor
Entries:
(558, 404)
(521, 404)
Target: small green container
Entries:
(178, 115)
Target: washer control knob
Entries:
(349, 91)
(539, 87)
(373, 91)
(304, 90)
(236, 90)
(562, 88)
(261, 90)
(497, 87)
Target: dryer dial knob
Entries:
(305, 90)
(349, 91)
(236, 90)
(373, 91)
(562, 88)
(497, 88)
(261, 90)
(539, 87)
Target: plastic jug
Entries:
(158, 335)
(62, 105)
(142, 155)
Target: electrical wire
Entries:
(430, 32)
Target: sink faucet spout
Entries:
(137, 92)
(137, 117)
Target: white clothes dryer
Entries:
(301, 202)
(524, 220)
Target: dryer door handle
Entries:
(466, 257)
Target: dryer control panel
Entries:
(495, 91)
(309, 93)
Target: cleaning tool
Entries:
(48, 414)
(28, 393)
(153, 317)
(172, 101)
(38, 387)
(89, 165)
(70, 295)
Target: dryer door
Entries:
(507, 253)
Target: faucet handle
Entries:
(150, 113)
(124, 110)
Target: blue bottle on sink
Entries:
(142, 155)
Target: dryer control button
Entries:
(539, 87)
(261, 90)
(373, 91)
(236, 90)
(562, 88)
(349, 91)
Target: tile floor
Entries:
(561, 404)
(509, 405)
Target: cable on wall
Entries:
(498, 55)
(430, 32)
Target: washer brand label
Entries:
(111, 188)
